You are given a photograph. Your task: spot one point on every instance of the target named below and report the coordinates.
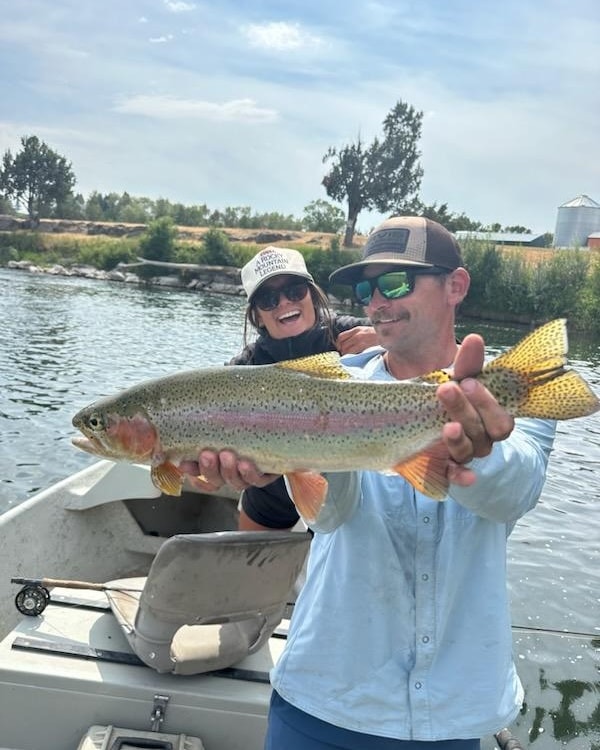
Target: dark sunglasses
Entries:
(268, 299)
(392, 285)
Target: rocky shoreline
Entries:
(216, 279)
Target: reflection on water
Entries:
(65, 342)
(562, 700)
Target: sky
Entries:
(229, 103)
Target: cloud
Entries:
(178, 6)
(169, 107)
(279, 36)
(161, 39)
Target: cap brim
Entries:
(355, 271)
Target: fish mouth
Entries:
(93, 446)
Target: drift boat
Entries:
(130, 619)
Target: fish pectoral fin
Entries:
(326, 365)
(167, 477)
(427, 471)
(309, 491)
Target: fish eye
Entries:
(96, 421)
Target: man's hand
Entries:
(478, 420)
(213, 470)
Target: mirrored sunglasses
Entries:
(392, 285)
(268, 299)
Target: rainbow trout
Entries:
(307, 416)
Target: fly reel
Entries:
(32, 600)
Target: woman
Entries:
(292, 317)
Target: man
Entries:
(401, 636)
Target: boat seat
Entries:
(210, 599)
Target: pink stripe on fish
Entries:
(334, 423)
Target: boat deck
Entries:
(63, 683)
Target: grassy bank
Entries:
(508, 284)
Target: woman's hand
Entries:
(356, 340)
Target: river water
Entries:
(64, 342)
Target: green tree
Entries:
(37, 178)
(517, 229)
(6, 206)
(453, 222)
(158, 243)
(322, 216)
(385, 175)
(73, 207)
(217, 249)
(101, 207)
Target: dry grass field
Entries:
(81, 230)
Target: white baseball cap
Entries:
(273, 261)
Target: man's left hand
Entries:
(478, 421)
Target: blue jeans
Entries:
(292, 729)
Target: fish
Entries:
(307, 416)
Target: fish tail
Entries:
(531, 379)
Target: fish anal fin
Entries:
(309, 491)
(326, 365)
(167, 477)
(427, 471)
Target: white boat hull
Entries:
(72, 668)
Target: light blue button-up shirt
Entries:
(403, 626)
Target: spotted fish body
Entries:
(309, 416)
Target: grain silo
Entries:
(576, 220)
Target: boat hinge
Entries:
(159, 709)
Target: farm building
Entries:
(503, 238)
(577, 219)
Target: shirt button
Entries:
(425, 639)
(426, 519)
(425, 577)
(418, 685)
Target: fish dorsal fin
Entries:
(326, 365)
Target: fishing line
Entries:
(552, 631)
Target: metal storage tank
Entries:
(576, 220)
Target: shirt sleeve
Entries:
(510, 480)
(270, 506)
(347, 322)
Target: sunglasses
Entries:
(268, 299)
(392, 285)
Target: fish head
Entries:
(114, 433)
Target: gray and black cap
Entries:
(406, 241)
